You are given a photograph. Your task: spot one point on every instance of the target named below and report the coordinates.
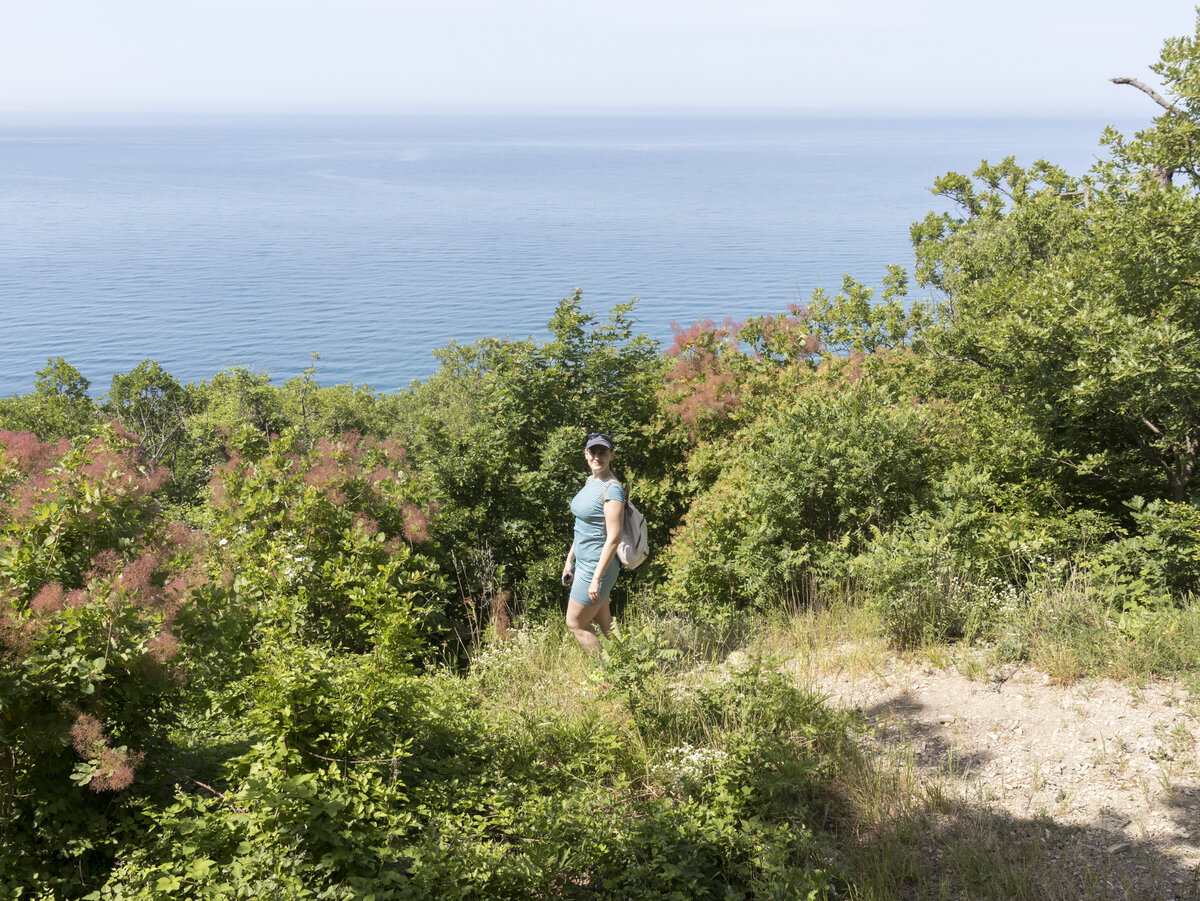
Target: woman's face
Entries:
(598, 458)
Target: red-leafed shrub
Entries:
(701, 385)
(325, 541)
(63, 505)
(717, 368)
(91, 584)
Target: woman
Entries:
(599, 508)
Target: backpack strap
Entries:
(605, 491)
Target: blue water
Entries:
(208, 243)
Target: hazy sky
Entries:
(853, 56)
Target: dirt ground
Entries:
(1108, 772)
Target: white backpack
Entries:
(634, 546)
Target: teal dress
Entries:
(590, 534)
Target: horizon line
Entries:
(557, 110)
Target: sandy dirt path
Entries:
(1109, 771)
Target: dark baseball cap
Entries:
(598, 439)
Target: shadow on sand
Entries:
(950, 848)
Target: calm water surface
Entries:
(209, 243)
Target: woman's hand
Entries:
(594, 589)
(568, 573)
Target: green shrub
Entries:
(1154, 568)
(433, 797)
(799, 493)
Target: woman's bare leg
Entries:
(582, 620)
(603, 619)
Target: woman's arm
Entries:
(614, 516)
(568, 572)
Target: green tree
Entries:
(850, 323)
(1081, 297)
(58, 407)
(1172, 143)
(150, 402)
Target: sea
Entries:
(212, 242)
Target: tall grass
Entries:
(1069, 629)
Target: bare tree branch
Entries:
(1166, 174)
(1154, 95)
(1151, 426)
(197, 782)
(1086, 194)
